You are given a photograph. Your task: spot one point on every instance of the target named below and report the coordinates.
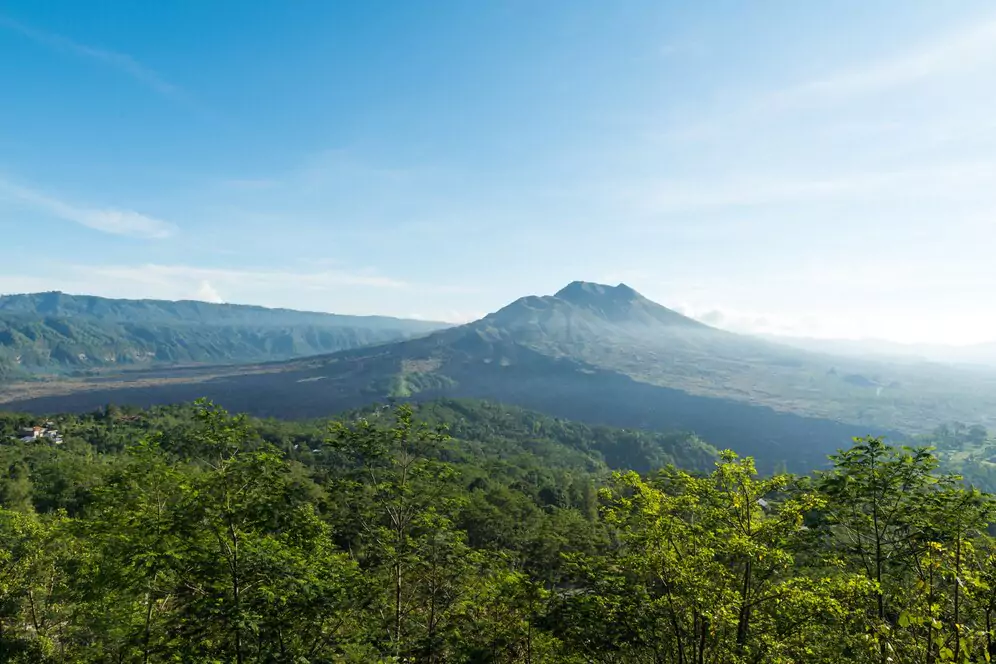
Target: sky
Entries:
(811, 169)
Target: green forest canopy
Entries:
(187, 534)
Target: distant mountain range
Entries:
(983, 354)
(595, 353)
(55, 333)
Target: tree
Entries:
(137, 539)
(260, 579)
(33, 585)
(400, 495)
(876, 497)
(704, 572)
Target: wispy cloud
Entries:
(122, 62)
(342, 290)
(108, 220)
(378, 199)
(747, 322)
(964, 182)
(923, 76)
(192, 278)
(965, 50)
(452, 317)
(682, 47)
(901, 327)
(250, 183)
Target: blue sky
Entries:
(824, 169)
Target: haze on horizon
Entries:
(809, 170)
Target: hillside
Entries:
(55, 333)
(599, 354)
(506, 439)
(507, 434)
(509, 482)
(185, 534)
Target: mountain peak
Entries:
(585, 291)
(583, 300)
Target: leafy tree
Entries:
(869, 495)
(261, 577)
(33, 585)
(400, 494)
(705, 568)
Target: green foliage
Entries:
(706, 571)
(469, 532)
(969, 450)
(54, 333)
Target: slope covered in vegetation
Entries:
(184, 534)
(601, 353)
(53, 333)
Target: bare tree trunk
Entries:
(880, 595)
(397, 608)
(236, 592)
(529, 627)
(990, 646)
(930, 601)
(432, 611)
(34, 613)
(678, 636)
(702, 640)
(957, 596)
(743, 621)
(147, 635)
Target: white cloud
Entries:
(208, 293)
(459, 317)
(934, 296)
(107, 220)
(120, 61)
(451, 317)
(747, 322)
(900, 327)
(167, 277)
(793, 146)
(173, 282)
(354, 292)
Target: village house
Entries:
(29, 434)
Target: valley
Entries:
(595, 353)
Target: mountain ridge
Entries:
(601, 354)
(61, 304)
(56, 333)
